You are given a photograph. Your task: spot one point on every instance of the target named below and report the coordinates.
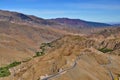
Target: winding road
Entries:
(107, 66)
(74, 64)
(110, 72)
(62, 72)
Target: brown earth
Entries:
(21, 36)
(24, 39)
(92, 65)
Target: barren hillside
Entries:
(25, 39)
(33, 48)
(93, 63)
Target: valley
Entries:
(33, 48)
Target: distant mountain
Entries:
(22, 18)
(62, 22)
(60, 47)
(117, 24)
(113, 31)
(78, 23)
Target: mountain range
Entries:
(22, 18)
(17, 30)
(57, 49)
(79, 23)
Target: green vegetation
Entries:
(117, 78)
(118, 75)
(42, 47)
(13, 64)
(4, 71)
(105, 50)
(38, 54)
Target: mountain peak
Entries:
(21, 18)
(79, 22)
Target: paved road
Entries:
(110, 72)
(74, 64)
(62, 72)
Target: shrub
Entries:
(43, 45)
(43, 48)
(105, 50)
(13, 64)
(37, 53)
(4, 71)
(118, 75)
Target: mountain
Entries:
(65, 24)
(79, 23)
(22, 18)
(73, 58)
(18, 41)
(117, 24)
(19, 17)
(33, 48)
(20, 35)
(111, 32)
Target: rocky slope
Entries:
(21, 36)
(93, 63)
(16, 17)
(25, 39)
(22, 33)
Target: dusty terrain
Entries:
(21, 36)
(92, 65)
(18, 38)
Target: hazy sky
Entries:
(91, 10)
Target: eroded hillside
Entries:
(33, 48)
(93, 62)
(18, 41)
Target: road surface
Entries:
(110, 72)
(74, 64)
(62, 72)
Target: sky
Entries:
(91, 10)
